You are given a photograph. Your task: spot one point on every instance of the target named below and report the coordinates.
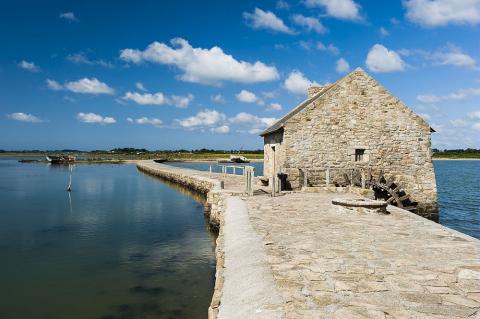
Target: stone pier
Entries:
(299, 256)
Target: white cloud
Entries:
(244, 117)
(256, 124)
(140, 86)
(340, 9)
(425, 116)
(218, 98)
(435, 13)
(282, 4)
(330, 48)
(260, 19)
(69, 99)
(383, 32)
(89, 86)
(268, 95)
(458, 123)
(380, 59)
(81, 58)
(85, 86)
(224, 129)
(309, 23)
(54, 85)
(146, 98)
(476, 126)
(297, 83)
(94, 118)
(181, 101)
(29, 66)
(207, 66)
(342, 66)
(69, 16)
(451, 55)
(247, 97)
(474, 115)
(461, 94)
(217, 122)
(24, 117)
(203, 118)
(274, 107)
(158, 99)
(255, 131)
(454, 56)
(146, 121)
(428, 98)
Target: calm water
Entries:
(125, 245)
(458, 185)
(258, 167)
(122, 245)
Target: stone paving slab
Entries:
(329, 262)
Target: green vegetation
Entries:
(469, 153)
(141, 153)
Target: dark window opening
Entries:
(359, 154)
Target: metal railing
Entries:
(247, 171)
(351, 175)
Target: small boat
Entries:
(238, 159)
(60, 159)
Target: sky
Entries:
(213, 74)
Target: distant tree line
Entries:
(132, 150)
(467, 150)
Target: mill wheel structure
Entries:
(391, 192)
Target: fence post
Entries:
(249, 180)
(234, 171)
(327, 176)
(363, 180)
(351, 177)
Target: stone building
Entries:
(354, 127)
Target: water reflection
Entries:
(197, 196)
(120, 245)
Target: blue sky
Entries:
(170, 75)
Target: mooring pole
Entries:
(69, 187)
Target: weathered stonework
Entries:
(215, 208)
(355, 113)
(297, 256)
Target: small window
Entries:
(359, 155)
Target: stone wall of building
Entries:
(358, 113)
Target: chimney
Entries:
(313, 90)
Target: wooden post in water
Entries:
(69, 187)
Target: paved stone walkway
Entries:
(331, 263)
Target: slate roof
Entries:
(281, 122)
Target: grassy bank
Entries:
(468, 153)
